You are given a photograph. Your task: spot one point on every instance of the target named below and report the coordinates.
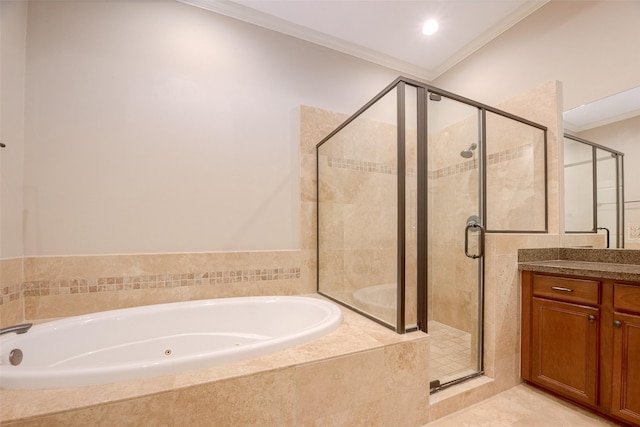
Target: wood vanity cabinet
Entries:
(581, 340)
(625, 402)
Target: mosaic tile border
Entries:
(510, 154)
(374, 167)
(492, 159)
(10, 293)
(361, 165)
(125, 283)
(453, 169)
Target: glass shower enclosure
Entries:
(402, 188)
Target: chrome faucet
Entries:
(18, 329)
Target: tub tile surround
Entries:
(11, 298)
(64, 286)
(367, 342)
(360, 372)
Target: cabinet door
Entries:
(626, 367)
(564, 349)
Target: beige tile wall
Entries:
(453, 195)
(63, 286)
(515, 175)
(358, 215)
(11, 301)
(358, 192)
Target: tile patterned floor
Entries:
(522, 406)
(450, 353)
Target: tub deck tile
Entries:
(356, 338)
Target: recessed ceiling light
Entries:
(430, 27)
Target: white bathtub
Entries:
(161, 339)
(380, 296)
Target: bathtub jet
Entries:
(163, 339)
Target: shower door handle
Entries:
(474, 225)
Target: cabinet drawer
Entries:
(564, 289)
(626, 298)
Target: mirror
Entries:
(578, 187)
(602, 180)
(593, 193)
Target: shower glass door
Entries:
(456, 239)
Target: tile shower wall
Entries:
(515, 201)
(358, 195)
(515, 175)
(452, 292)
(358, 215)
(355, 202)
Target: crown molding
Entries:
(609, 120)
(503, 25)
(255, 17)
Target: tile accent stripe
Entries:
(361, 165)
(510, 154)
(123, 283)
(10, 293)
(453, 169)
(492, 159)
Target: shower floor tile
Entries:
(450, 353)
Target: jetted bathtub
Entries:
(161, 339)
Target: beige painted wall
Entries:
(590, 46)
(176, 132)
(13, 22)
(160, 127)
(623, 136)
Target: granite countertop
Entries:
(597, 263)
(602, 270)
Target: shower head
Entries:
(468, 153)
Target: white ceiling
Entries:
(386, 32)
(389, 33)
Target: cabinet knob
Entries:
(591, 318)
(617, 323)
